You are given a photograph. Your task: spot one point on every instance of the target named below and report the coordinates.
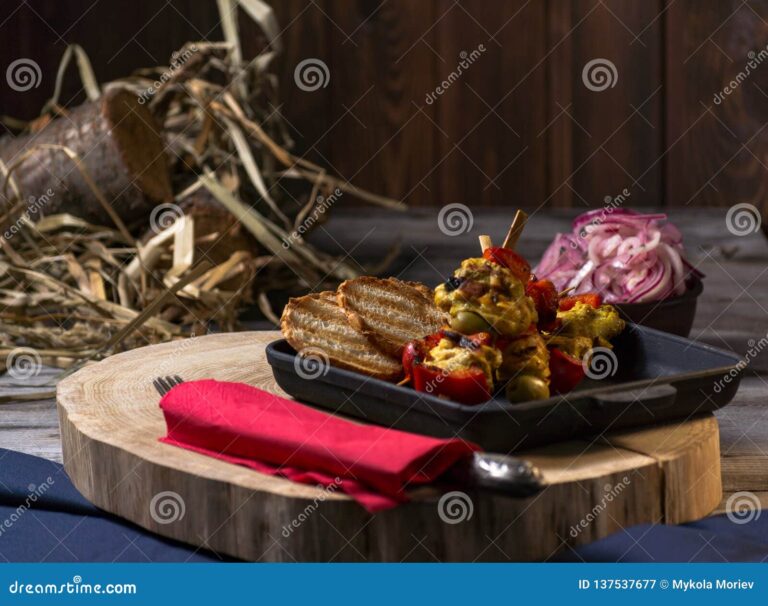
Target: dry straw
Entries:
(75, 291)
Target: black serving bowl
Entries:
(674, 315)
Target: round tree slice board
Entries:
(111, 422)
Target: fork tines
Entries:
(164, 384)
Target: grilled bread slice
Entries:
(389, 311)
(422, 288)
(316, 324)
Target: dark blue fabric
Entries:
(714, 539)
(59, 525)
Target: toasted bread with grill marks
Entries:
(316, 322)
(422, 288)
(389, 311)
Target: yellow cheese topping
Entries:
(526, 355)
(450, 356)
(493, 293)
(585, 321)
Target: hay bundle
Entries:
(159, 208)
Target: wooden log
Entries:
(121, 148)
(110, 424)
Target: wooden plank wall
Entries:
(518, 127)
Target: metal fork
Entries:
(164, 384)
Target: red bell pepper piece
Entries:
(591, 298)
(468, 386)
(415, 351)
(544, 295)
(410, 356)
(508, 258)
(566, 371)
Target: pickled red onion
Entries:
(626, 256)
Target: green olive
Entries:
(469, 323)
(527, 387)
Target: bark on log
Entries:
(119, 143)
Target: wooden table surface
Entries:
(732, 313)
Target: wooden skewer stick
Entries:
(485, 242)
(518, 224)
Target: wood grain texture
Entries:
(684, 456)
(119, 36)
(723, 144)
(111, 422)
(559, 131)
(517, 126)
(491, 150)
(383, 63)
(744, 433)
(616, 132)
(305, 35)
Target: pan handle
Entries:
(498, 473)
(656, 396)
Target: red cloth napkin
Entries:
(248, 426)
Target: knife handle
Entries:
(498, 473)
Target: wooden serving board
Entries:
(111, 422)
